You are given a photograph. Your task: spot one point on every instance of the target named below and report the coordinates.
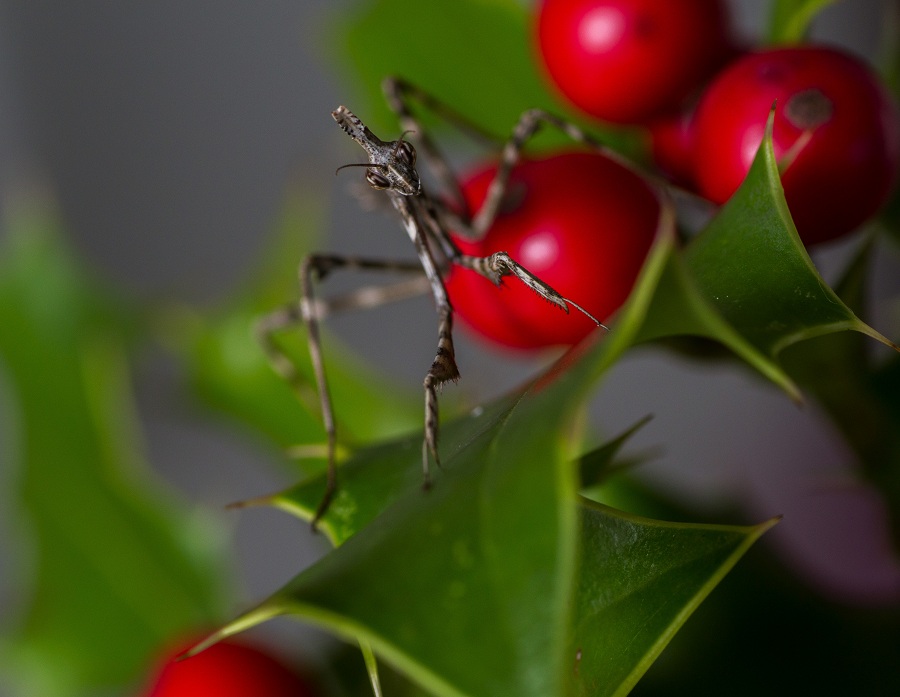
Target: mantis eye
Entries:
(377, 180)
(406, 153)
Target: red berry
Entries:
(672, 147)
(578, 221)
(629, 60)
(230, 668)
(842, 175)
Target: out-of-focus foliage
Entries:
(107, 564)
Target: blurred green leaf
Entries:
(371, 668)
(789, 20)
(111, 564)
(475, 55)
(600, 463)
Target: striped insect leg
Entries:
(443, 369)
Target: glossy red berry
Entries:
(581, 223)
(627, 61)
(842, 174)
(231, 668)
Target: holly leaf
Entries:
(745, 281)
(492, 614)
(377, 476)
(633, 567)
(678, 308)
(750, 265)
(488, 615)
(667, 302)
(108, 564)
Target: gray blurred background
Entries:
(169, 133)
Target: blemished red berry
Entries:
(231, 668)
(842, 174)
(578, 221)
(627, 61)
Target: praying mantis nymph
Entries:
(391, 168)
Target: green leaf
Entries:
(371, 668)
(598, 464)
(639, 581)
(680, 309)
(667, 301)
(745, 282)
(110, 564)
(444, 48)
(487, 615)
(492, 612)
(374, 478)
(837, 370)
(790, 19)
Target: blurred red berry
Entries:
(231, 668)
